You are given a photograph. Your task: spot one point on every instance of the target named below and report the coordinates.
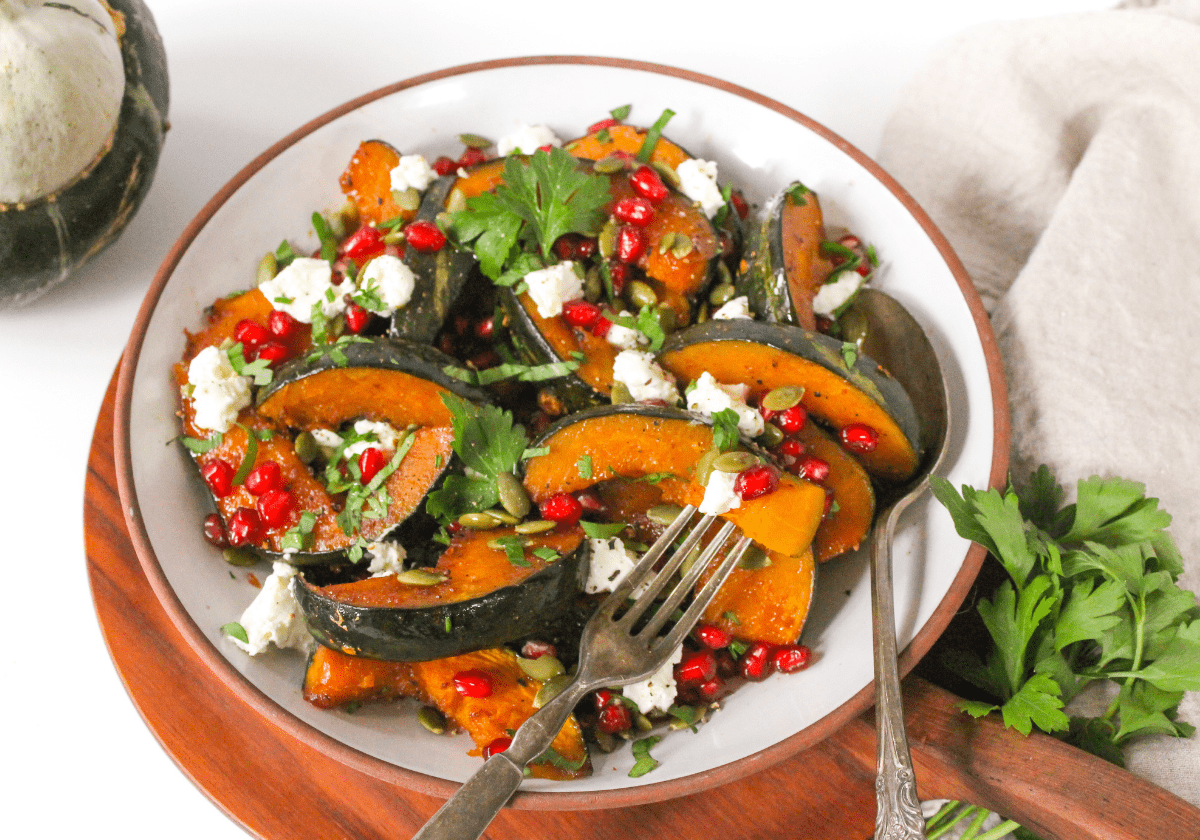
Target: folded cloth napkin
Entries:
(1061, 157)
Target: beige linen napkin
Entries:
(1061, 157)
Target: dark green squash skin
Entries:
(764, 280)
(43, 241)
(419, 634)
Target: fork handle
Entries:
(474, 805)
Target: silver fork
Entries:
(613, 651)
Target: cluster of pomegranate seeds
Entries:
(755, 481)
(859, 437)
(573, 246)
(445, 165)
(370, 462)
(275, 505)
(261, 341)
(473, 683)
(424, 236)
(471, 157)
(562, 508)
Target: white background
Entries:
(243, 74)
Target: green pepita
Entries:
(593, 285)
(306, 447)
(239, 557)
(474, 141)
(771, 436)
(606, 242)
(664, 514)
(503, 516)
(421, 577)
(733, 462)
(268, 267)
(723, 274)
(669, 175)
(641, 294)
(620, 393)
(456, 202)
(668, 319)
(666, 242)
(432, 719)
(609, 165)
(542, 669)
(782, 398)
(394, 236)
(502, 543)
(408, 200)
(513, 497)
(478, 521)
(754, 558)
(704, 466)
(682, 246)
(722, 294)
(535, 526)
(551, 689)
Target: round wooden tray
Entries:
(236, 755)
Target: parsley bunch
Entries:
(1089, 595)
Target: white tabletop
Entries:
(243, 74)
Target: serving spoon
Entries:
(897, 341)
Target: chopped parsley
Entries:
(644, 762)
(725, 429)
(652, 134)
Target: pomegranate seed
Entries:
(245, 526)
(755, 664)
(473, 683)
(710, 689)
(647, 183)
(634, 211)
(471, 156)
(812, 468)
(727, 665)
(365, 242)
(546, 148)
(756, 481)
(218, 475)
(828, 503)
(486, 329)
(739, 204)
(564, 246)
(859, 437)
(497, 746)
(370, 462)
(850, 241)
(276, 508)
(581, 313)
(863, 269)
(791, 420)
(712, 636)
(535, 649)
(445, 166)
(214, 530)
(696, 667)
(601, 327)
(792, 448)
(619, 274)
(251, 334)
(600, 126)
(788, 659)
(454, 528)
(426, 237)
(586, 248)
(282, 325)
(614, 718)
(274, 352)
(357, 318)
(562, 508)
(589, 501)
(266, 476)
(602, 697)
(631, 244)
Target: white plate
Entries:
(760, 145)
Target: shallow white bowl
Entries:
(760, 145)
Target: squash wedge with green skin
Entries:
(769, 603)
(367, 181)
(840, 386)
(663, 445)
(849, 519)
(485, 598)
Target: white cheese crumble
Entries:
(718, 493)
(708, 397)
(698, 181)
(738, 307)
(218, 393)
(304, 282)
(626, 338)
(658, 690)
(273, 617)
(526, 140)
(551, 287)
(611, 562)
(384, 437)
(637, 371)
(327, 438)
(412, 172)
(836, 291)
(387, 558)
(392, 281)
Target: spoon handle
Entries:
(897, 808)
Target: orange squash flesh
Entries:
(768, 604)
(511, 702)
(367, 181)
(806, 268)
(849, 520)
(331, 397)
(334, 679)
(630, 445)
(224, 317)
(480, 179)
(826, 395)
(627, 139)
(597, 366)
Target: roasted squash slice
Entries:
(766, 604)
(625, 139)
(334, 679)
(367, 181)
(849, 519)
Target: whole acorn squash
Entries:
(83, 113)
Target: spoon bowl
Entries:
(898, 342)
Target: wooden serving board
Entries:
(236, 755)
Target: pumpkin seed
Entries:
(421, 577)
(640, 294)
(668, 173)
(754, 558)
(535, 526)
(513, 497)
(606, 242)
(268, 267)
(682, 246)
(474, 141)
(704, 466)
(306, 447)
(337, 224)
(457, 201)
(733, 462)
(607, 743)
(541, 669)
(854, 327)
(240, 557)
(393, 237)
(593, 285)
(722, 294)
(689, 561)
(771, 436)
(432, 719)
(667, 317)
(664, 514)
(702, 313)
(551, 689)
(478, 521)
(641, 722)
(666, 242)
(503, 516)
(349, 214)
(608, 165)
(782, 398)
(408, 199)
(620, 393)
(723, 275)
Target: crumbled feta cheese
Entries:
(551, 287)
(658, 690)
(638, 371)
(526, 140)
(391, 280)
(611, 562)
(707, 397)
(384, 437)
(303, 283)
(412, 172)
(738, 307)
(836, 291)
(698, 181)
(327, 438)
(274, 617)
(626, 338)
(387, 558)
(218, 393)
(718, 493)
